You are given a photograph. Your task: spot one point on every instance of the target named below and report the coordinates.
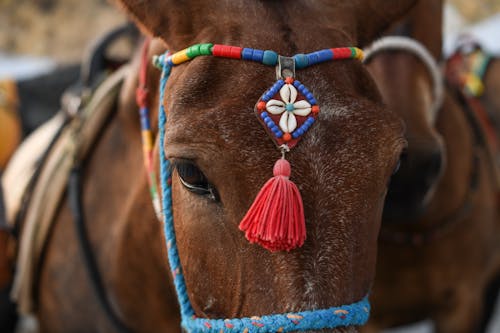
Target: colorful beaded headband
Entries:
(286, 110)
(254, 222)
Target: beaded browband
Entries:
(276, 218)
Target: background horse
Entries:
(439, 247)
(341, 167)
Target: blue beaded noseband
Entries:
(354, 314)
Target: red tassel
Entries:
(276, 218)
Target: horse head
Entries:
(221, 155)
(407, 76)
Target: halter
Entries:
(401, 43)
(347, 315)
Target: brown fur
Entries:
(443, 279)
(341, 167)
(491, 98)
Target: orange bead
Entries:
(261, 106)
(315, 109)
(287, 137)
(289, 80)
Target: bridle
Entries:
(347, 315)
(412, 46)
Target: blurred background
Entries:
(60, 29)
(40, 36)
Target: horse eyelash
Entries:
(209, 192)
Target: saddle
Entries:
(35, 179)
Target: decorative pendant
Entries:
(287, 110)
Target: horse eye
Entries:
(195, 181)
(402, 157)
(396, 168)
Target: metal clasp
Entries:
(285, 68)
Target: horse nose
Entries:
(429, 165)
(411, 187)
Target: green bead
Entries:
(300, 61)
(193, 51)
(199, 49)
(206, 49)
(353, 52)
(157, 62)
(270, 58)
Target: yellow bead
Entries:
(474, 85)
(147, 140)
(180, 57)
(359, 54)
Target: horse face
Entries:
(222, 156)
(341, 168)
(407, 89)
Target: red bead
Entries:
(315, 109)
(287, 137)
(227, 51)
(342, 53)
(261, 106)
(289, 80)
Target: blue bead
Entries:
(247, 54)
(301, 87)
(270, 94)
(312, 58)
(145, 124)
(313, 101)
(252, 54)
(144, 112)
(264, 114)
(309, 96)
(270, 58)
(295, 135)
(289, 107)
(258, 55)
(275, 130)
(279, 134)
(267, 96)
(296, 83)
(270, 123)
(310, 120)
(319, 56)
(300, 61)
(169, 61)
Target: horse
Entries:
(220, 156)
(439, 253)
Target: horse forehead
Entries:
(212, 101)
